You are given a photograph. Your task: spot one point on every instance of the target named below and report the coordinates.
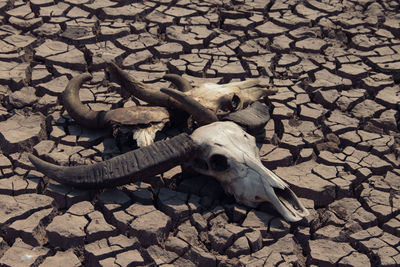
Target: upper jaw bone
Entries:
(258, 184)
(279, 194)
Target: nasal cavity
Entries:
(218, 162)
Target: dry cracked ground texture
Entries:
(333, 136)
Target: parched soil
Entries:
(333, 134)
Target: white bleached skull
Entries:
(231, 156)
(225, 98)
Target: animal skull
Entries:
(231, 156)
(221, 149)
(204, 103)
(226, 98)
(207, 103)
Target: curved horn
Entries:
(181, 83)
(141, 90)
(253, 118)
(200, 113)
(78, 111)
(140, 163)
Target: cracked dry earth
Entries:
(333, 136)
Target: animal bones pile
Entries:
(219, 147)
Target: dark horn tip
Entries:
(33, 159)
(48, 169)
(87, 76)
(37, 162)
(112, 67)
(116, 72)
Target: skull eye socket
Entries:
(235, 102)
(228, 103)
(218, 163)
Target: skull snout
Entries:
(271, 188)
(292, 205)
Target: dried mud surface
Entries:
(333, 136)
